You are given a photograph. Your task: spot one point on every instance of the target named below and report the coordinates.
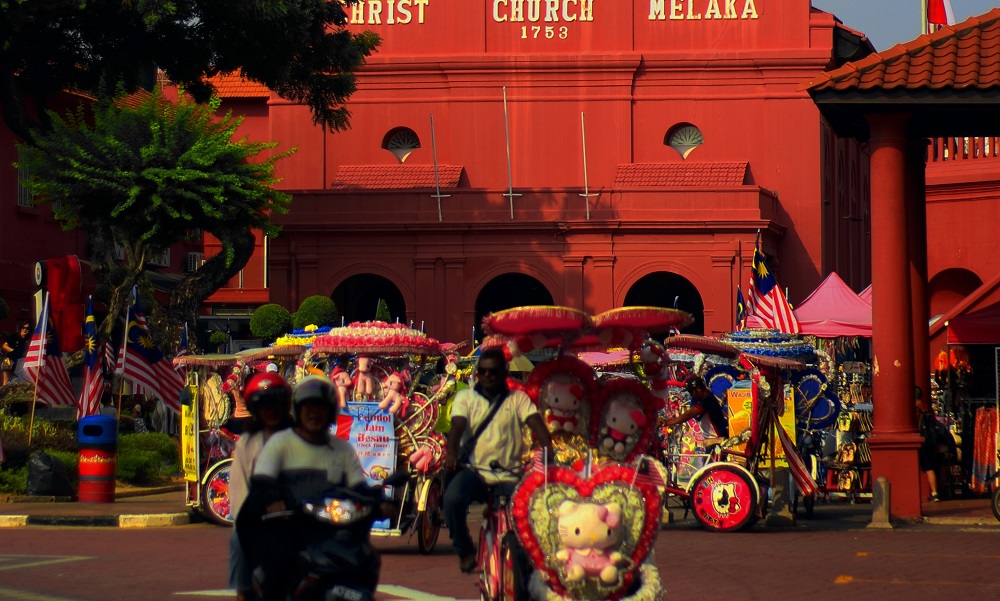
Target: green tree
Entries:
(269, 322)
(144, 178)
(315, 310)
(382, 311)
(297, 48)
(218, 339)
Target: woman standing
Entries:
(14, 350)
(269, 402)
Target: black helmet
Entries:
(315, 389)
(267, 388)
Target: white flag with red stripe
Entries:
(939, 12)
(43, 364)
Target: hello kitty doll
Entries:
(563, 399)
(588, 535)
(621, 427)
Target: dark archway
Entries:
(357, 298)
(950, 287)
(506, 291)
(665, 289)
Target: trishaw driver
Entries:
(499, 446)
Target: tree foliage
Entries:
(270, 321)
(382, 311)
(297, 48)
(147, 177)
(316, 310)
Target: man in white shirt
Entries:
(500, 444)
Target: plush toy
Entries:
(422, 458)
(364, 381)
(343, 383)
(621, 426)
(588, 535)
(394, 395)
(563, 398)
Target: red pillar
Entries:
(894, 439)
(917, 231)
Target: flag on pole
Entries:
(939, 12)
(93, 367)
(43, 364)
(766, 300)
(182, 349)
(142, 363)
(741, 310)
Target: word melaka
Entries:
(401, 12)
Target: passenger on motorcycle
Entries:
(269, 401)
(296, 465)
(471, 459)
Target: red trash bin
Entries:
(98, 439)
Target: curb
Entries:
(157, 520)
(956, 521)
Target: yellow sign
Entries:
(189, 439)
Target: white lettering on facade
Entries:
(397, 12)
(693, 10)
(549, 11)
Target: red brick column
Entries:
(894, 439)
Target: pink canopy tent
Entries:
(866, 294)
(833, 310)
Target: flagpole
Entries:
(510, 180)
(924, 25)
(121, 378)
(437, 177)
(38, 366)
(586, 183)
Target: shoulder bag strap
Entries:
(470, 444)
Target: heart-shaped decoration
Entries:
(625, 420)
(587, 537)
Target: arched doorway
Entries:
(665, 289)
(950, 287)
(506, 291)
(357, 298)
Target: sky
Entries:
(890, 22)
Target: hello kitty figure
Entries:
(588, 535)
(621, 427)
(563, 399)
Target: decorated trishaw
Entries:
(389, 416)
(207, 405)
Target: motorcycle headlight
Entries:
(337, 511)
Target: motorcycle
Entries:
(318, 551)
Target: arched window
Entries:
(401, 141)
(683, 138)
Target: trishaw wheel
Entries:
(429, 520)
(215, 494)
(723, 500)
(511, 574)
(996, 502)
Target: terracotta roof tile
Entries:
(671, 175)
(394, 177)
(962, 56)
(234, 85)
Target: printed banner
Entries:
(189, 442)
(371, 432)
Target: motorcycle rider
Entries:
(296, 465)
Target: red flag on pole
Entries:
(939, 12)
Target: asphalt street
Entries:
(808, 562)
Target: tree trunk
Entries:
(195, 288)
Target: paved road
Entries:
(189, 563)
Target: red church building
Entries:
(585, 153)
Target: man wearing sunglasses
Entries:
(479, 457)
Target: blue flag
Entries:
(741, 309)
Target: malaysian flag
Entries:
(766, 300)
(741, 310)
(142, 363)
(93, 372)
(43, 364)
